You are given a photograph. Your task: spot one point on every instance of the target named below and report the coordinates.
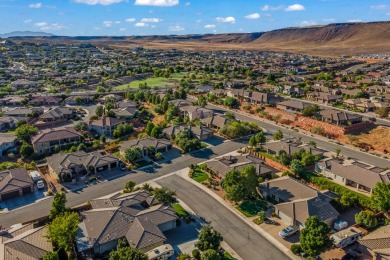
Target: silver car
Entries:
(288, 231)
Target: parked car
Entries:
(40, 185)
(35, 176)
(288, 231)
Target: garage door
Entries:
(10, 195)
(26, 190)
(285, 218)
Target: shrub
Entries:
(296, 249)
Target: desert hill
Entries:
(332, 39)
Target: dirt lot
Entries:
(377, 138)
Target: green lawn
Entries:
(251, 207)
(180, 211)
(266, 155)
(227, 256)
(155, 81)
(199, 175)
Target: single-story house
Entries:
(158, 145)
(135, 217)
(125, 112)
(292, 105)
(15, 183)
(7, 143)
(7, 123)
(291, 146)
(264, 98)
(298, 201)
(339, 117)
(68, 167)
(24, 242)
(221, 166)
(45, 101)
(353, 174)
(200, 132)
(58, 113)
(377, 243)
(216, 121)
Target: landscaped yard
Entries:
(251, 207)
(141, 164)
(199, 175)
(227, 256)
(155, 81)
(180, 211)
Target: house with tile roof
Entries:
(297, 201)
(15, 183)
(47, 140)
(68, 167)
(200, 132)
(7, 143)
(377, 243)
(135, 217)
(24, 242)
(216, 121)
(339, 117)
(353, 174)
(158, 145)
(194, 112)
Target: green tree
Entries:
(231, 102)
(260, 137)
(297, 166)
(250, 179)
(262, 215)
(103, 139)
(208, 238)
(51, 256)
(278, 135)
(81, 147)
(252, 141)
(184, 256)
(202, 101)
(313, 143)
(133, 153)
(284, 158)
(230, 115)
(26, 149)
(149, 128)
(99, 111)
(125, 252)
(81, 126)
(381, 196)
(311, 110)
(62, 230)
(129, 187)
(366, 218)
(314, 237)
(165, 195)
(210, 254)
(25, 132)
(58, 205)
(234, 186)
(382, 112)
(122, 130)
(156, 132)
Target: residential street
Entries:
(248, 243)
(42, 208)
(321, 142)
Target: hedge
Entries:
(325, 184)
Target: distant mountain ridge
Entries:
(25, 34)
(333, 39)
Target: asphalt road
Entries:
(321, 143)
(42, 208)
(245, 241)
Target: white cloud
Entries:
(308, 23)
(141, 25)
(98, 2)
(210, 26)
(130, 20)
(49, 27)
(117, 22)
(355, 21)
(35, 6)
(107, 23)
(379, 7)
(122, 29)
(329, 20)
(41, 24)
(27, 21)
(271, 8)
(295, 7)
(157, 2)
(252, 16)
(229, 19)
(150, 20)
(176, 28)
(187, 4)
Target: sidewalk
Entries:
(270, 238)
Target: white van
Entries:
(162, 252)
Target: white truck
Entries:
(35, 176)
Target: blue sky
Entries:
(151, 17)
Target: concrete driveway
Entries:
(25, 200)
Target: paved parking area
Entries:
(183, 237)
(273, 230)
(24, 200)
